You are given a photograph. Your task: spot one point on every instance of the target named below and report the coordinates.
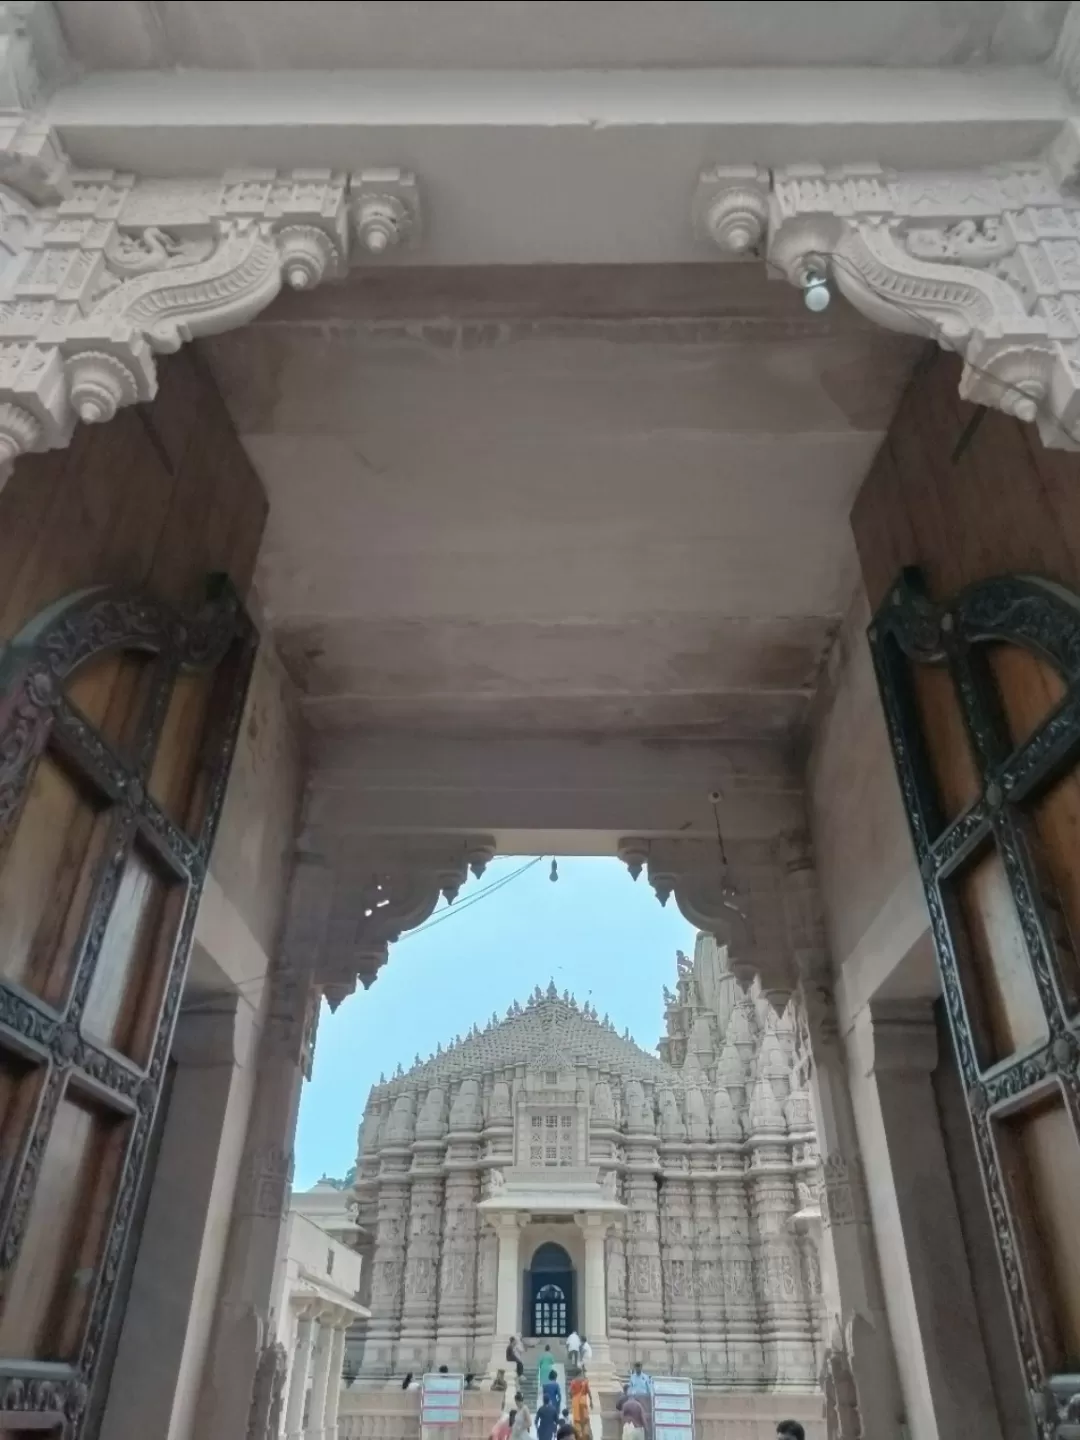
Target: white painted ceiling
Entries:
(562, 499)
(488, 34)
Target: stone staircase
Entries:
(533, 1350)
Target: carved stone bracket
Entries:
(713, 897)
(986, 262)
(382, 892)
(101, 271)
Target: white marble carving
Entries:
(984, 262)
(703, 1271)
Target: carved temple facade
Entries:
(672, 1201)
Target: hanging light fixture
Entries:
(554, 875)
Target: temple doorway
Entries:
(549, 1288)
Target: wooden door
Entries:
(118, 720)
(982, 702)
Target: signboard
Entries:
(672, 1408)
(440, 1399)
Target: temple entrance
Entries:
(549, 1286)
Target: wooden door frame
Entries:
(909, 630)
(36, 713)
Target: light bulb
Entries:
(816, 293)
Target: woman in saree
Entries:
(581, 1407)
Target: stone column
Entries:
(616, 1294)
(786, 1341)
(743, 1362)
(251, 1276)
(456, 1321)
(677, 1253)
(852, 1294)
(417, 1344)
(333, 1384)
(487, 1272)
(320, 1375)
(507, 1226)
(647, 1333)
(298, 1375)
(388, 1264)
(595, 1227)
(708, 1268)
(947, 1380)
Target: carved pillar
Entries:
(595, 1228)
(334, 1382)
(895, 1047)
(388, 1267)
(615, 1254)
(786, 1342)
(647, 1337)
(507, 1227)
(458, 1271)
(299, 1372)
(320, 1378)
(676, 1250)
(487, 1273)
(707, 1262)
(850, 1278)
(417, 1344)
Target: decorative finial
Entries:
(552, 993)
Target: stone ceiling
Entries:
(568, 499)
(483, 34)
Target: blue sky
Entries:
(594, 932)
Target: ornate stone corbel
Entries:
(385, 208)
(383, 892)
(709, 894)
(985, 262)
(104, 271)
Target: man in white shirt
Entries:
(573, 1348)
(585, 1352)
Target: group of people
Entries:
(581, 1419)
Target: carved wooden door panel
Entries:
(118, 720)
(982, 703)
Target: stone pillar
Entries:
(618, 1332)
(595, 1227)
(252, 1274)
(333, 1384)
(677, 1254)
(786, 1341)
(320, 1375)
(742, 1362)
(852, 1295)
(947, 1381)
(417, 1344)
(388, 1264)
(507, 1227)
(298, 1375)
(708, 1266)
(647, 1338)
(456, 1321)
(487, 1271)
